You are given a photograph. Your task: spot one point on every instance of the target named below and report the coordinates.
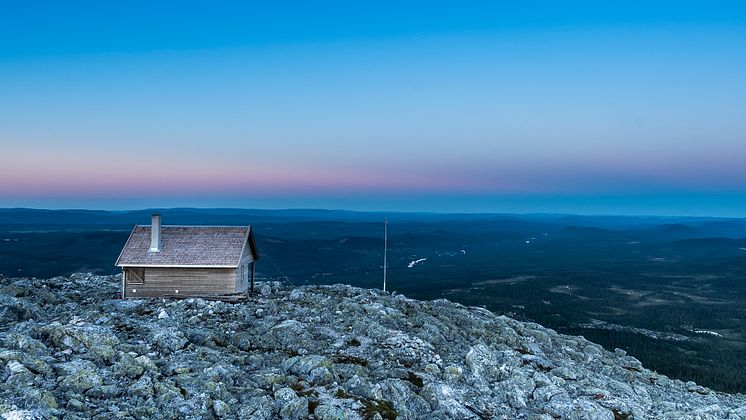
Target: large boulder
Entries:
(78, 375)
(487, 364)
(98, 342)
(290, 405)
(168, 340)
(14, 310)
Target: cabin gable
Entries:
(245, 269)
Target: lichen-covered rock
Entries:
(489, 364)
(332, 412)
(81, 337)
(67, 350)
(221, 408)
(312, 368)
(23, 343)
(168, 340)
(290, 335)
(127, 367)
(295, 409)
(143, 387)
(258, 408)
(290, 405)
(242, 340)
(79, 375)
(14, 310)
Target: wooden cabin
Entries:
(187, 261)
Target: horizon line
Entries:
(382, 212)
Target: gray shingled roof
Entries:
(187, 246)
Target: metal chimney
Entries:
(155, 233)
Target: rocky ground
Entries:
(68, 349)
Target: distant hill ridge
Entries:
(24, 216)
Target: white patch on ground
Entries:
(19, 415)
(657, 335)
(507, 280)
(568, 290)
(415, 262)
(713, 333)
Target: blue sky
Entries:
(579, 107)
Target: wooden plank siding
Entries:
(188, 281)
(244, 276)
(243, 272)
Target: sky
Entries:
(573, 107)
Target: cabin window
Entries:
(136, 276)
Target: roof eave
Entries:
(178, 265)
(119, 258)
(252, 244)
(248, 240)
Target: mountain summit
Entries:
(68, 348)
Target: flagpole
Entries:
(385, 250)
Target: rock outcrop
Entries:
(69, 349)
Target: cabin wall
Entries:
(243, 272)
(243, 278)
(179, 282)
